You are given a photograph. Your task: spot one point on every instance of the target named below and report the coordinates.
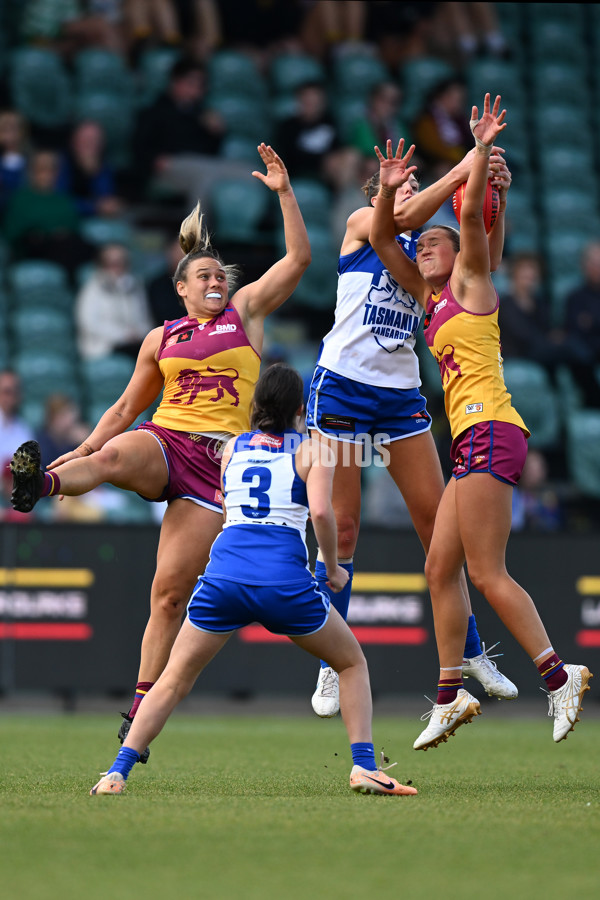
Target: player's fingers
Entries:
(399, 149)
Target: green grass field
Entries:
(244, 807)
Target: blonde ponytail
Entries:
(194, 240)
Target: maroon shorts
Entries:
(498, 448)
(194, 465)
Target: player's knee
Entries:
(168, 601)
(347, 536)
(109, 458)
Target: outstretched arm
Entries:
(144, 387)
(501, 180)
(393, 172)
(255, 301)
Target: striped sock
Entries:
(125, 761)
(51, 485)
(553, 673)
(363, 754)
(448, 689)
(141, 689)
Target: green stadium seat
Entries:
(103, 72)
(116, 116)
(105, 378)
(347, 110)
(288, 71)
(314, 200)
(539, 15)
(106, 231)
(35, 284)
(572, 208)
(153, 73)
(234, 72)
(41, 328)
(498, 76)
(418, 76)
(557, 82)
(40, 86)
(240, 148)
(318, 285)
(583, 458)
(47, 371)
(250, 118)
(559, 41)
(574, 166)
(356, 74)
(239, 207)
(534, 399)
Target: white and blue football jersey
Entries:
(376, 321)
(266, 505)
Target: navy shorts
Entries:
(498, 448)
(348, 410)
(221, 605)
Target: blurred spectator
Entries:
(382, 122)
(85, 175)
(441, 131)
(401, 31)
(527, 331)
(63, 428)
(177, 139)
(41, 222)
(13, 154)
(70, 25)
(333, 25)
(111, 309)
(163, 298)
(583, 311)
(151, 22)
(536, 504)
(14, 430)
(261, 29)
(463, 30)
(309, 142)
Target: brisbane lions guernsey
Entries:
(210, 370)
(373, 337)
(466, 347)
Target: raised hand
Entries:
(277, 178)
(500, 176)
(486, 129)
(394, 170)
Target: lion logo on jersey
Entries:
(392, 314)
(191, 383)
(447, 363)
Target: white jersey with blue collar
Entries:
(262, 488)
(376, 321)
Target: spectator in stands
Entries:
(41, 222)
(71, 25)
(63, 428)
(163, 298)
(85, 175)
(13, 428)
(310, 141)
(111, 309)
(178, 137)
(151, 22)
(441, 130)
(13, 154)
(462, 30)
(583, 317)
(536, 504)
(528, 333)
(382, 122)
(333, 25)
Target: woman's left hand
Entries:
(486, 129)
(277, 178)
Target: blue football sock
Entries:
(340, 601)
(473, 643)
(125, 761)
(363, 754)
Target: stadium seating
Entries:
(239, 207)
(153, 73)
(417, 77)
(233, 72)
(318, 285)
(289, 70)
(105, 379)
(356, 74)
(100, 231)
(583, 458)
(40, 86)
(41, 328)
(314, 200)
(37, 283)
(115, 114)
(535, 400)
(248, 117)
(99, 71)
(47, 371)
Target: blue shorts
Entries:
(221, 605)
(348, 410)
